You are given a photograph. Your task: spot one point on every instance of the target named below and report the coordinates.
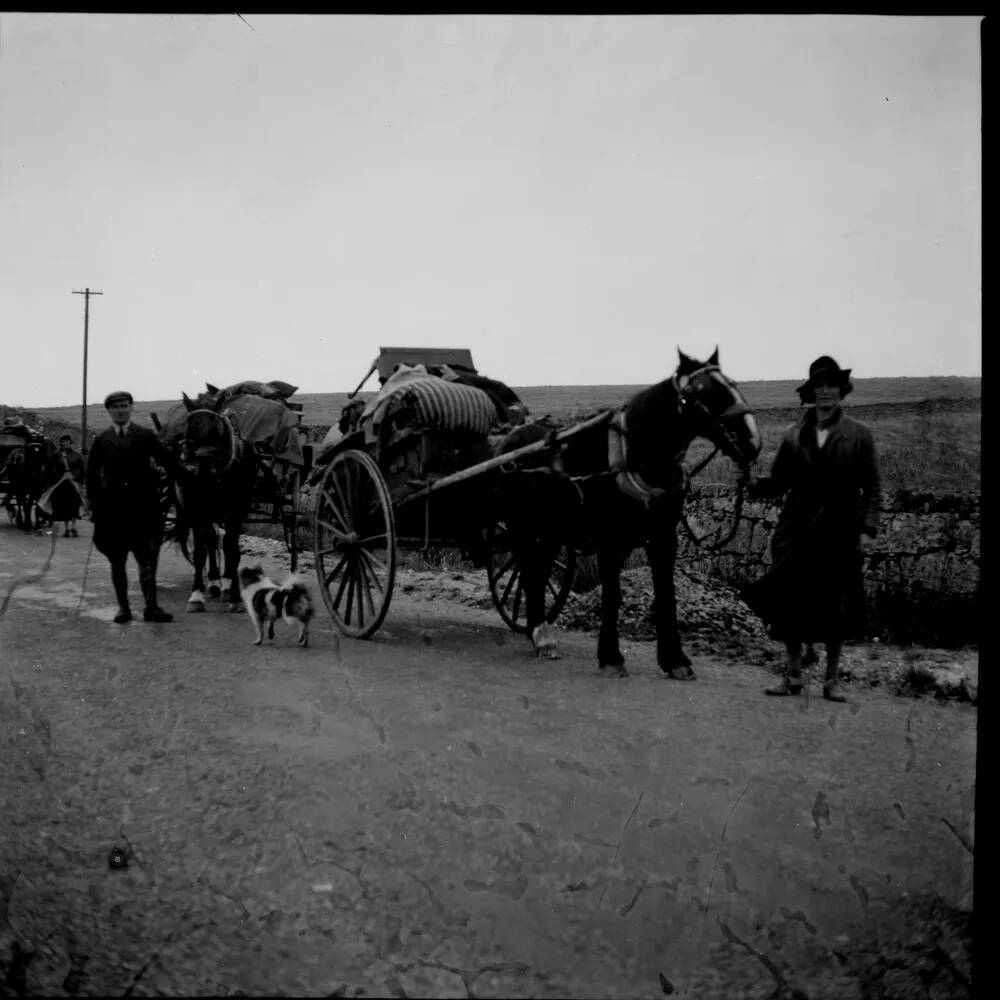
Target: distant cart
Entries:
(415, 468)
(15, 436)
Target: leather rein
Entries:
(685, 400)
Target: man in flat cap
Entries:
(123, 489)
(827, 471)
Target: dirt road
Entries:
(435, 812)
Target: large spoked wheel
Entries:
(507, 585)
(354, 540)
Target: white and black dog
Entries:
(266, 601)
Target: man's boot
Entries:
(153, 612)
(119, 580)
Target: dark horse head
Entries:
(712, 407)
(209, 447)
(214, 481)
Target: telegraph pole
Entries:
(86, 293)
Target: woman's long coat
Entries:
(832, 494)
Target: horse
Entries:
(30, 470)
(630, 479)
(214, 475)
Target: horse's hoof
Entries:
(196, 608)
(214, 592)
(612, 670)
(236, 608)
(614, 660)
(681, 672)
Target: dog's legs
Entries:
(303, 639)
(252, 615)
(270, 628)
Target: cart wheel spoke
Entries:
(329, 577)
(334, 529)
(515, 578)
(352, 572)
(507, 583)
(343, 581)
(354, 540)
(373, 566)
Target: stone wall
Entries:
(921, 582)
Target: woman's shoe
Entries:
(786, 687)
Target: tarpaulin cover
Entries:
(256, 420)
(274, 389)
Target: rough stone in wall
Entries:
(922, 580)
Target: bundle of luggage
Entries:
(261, 414)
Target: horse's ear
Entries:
(211, 388)
(686, 363)
(156, 422)
(188, 404)
(714, 359)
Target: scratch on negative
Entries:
(715, 866)
(618, 847)
(962, 839)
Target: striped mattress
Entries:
(440, 404)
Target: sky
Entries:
(574, 198)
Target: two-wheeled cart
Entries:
(419, 471)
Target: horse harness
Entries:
(629, 481)
(233, 441)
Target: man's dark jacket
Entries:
(123, 488)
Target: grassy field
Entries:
(927, 430)
(561, 402)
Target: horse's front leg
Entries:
(231, 565)
(214, 582)
(196, 602)
(610, 560)
(661, 550)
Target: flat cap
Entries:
(117, 397)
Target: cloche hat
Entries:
(825, 369)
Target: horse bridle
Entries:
(231, 438)
(687, 399)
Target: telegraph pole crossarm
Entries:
(86, 293)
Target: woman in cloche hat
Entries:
(827, 471)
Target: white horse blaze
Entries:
(752, 428)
